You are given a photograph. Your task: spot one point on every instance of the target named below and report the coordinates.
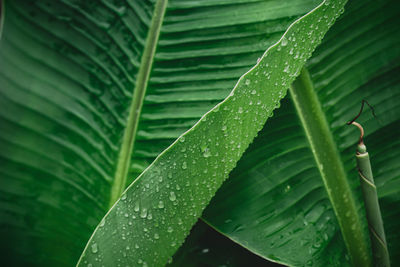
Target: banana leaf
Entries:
(68, 70)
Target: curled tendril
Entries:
(359, 113)
(353, 122)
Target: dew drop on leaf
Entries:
(206, 153)
(172, 196)
(136, 208)
(143, 213)
(284, 41)
(94, 247)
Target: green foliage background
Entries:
(67, 72)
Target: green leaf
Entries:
(358, 59)
(156, 212)
(68, 70)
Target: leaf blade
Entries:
(67, 72)
(231, 145)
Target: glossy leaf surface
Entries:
(357, 60)
(159, 208)
(68, 69)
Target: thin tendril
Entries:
(359, 113)
(352, 122)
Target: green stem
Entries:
(128, 141)
(331, 168)
(2, 12)
(374, 217)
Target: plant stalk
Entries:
(331, 168)
(128, 140)
(380, 251)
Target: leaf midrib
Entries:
(128, 141)
(331, 168)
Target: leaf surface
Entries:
(169, 196)
(68, 70)
(358, 59)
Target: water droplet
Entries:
(126, 215)
(240, 110)
(182, 139)
(143, 213)
(123, 197)
(206, 152)
(172, 196)
(224, 128)
(253, 92)
(161, 204)
(247, 82)
(184, 165)
(326, 236)
(102, 222)
(170, 230)
(284, 41)
(287, 188)
(156, 236)
(286, 69)
(136, 208)
(94, 247)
